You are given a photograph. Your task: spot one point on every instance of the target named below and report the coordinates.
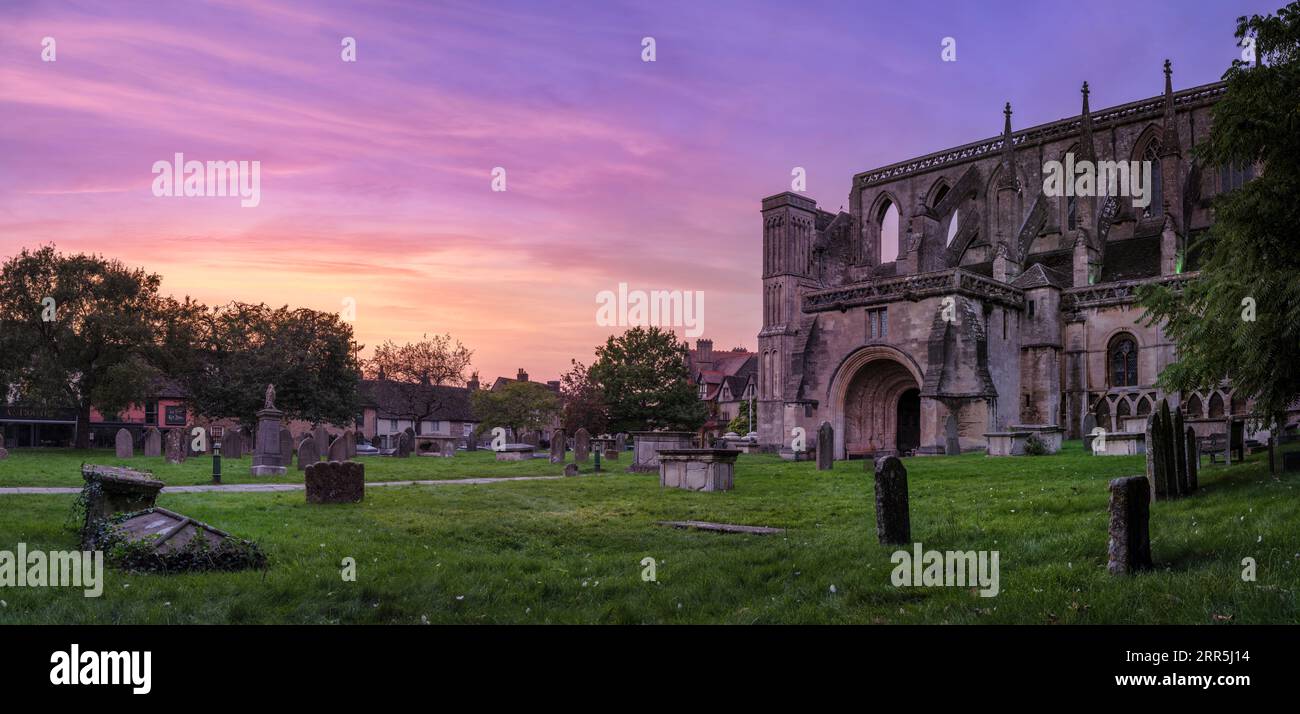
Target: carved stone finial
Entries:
(270, 397)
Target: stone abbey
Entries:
(1040, 330)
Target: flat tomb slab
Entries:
(721, 527)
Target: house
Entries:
(725, 380)
(389, 408)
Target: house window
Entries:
(1071, 213)
(175, 415)
(392, 426)
(1031, 309)
(151, 412)
(878, 324)
(1123, 362)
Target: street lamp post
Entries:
(216, 462)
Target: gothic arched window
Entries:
(888, 222)
(1123, 361)
(1156, 206)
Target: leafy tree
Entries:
(405, 374)
(644, 377)
(1250, 257)
(741, 424)
(518, 406)
(584, 403)
(99, 346)
(240, 348)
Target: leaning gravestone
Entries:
(286, 447)
(152, 442)
(175, 446)
(338, 449)
(1089, 423)
(893, 512)
(125, 445)
(322, 438)
(335, 482)
(114, 489)
(307, 453)
(1130, 518)
(581, 445)
(557, 447)
(825, 447)
(951, 438)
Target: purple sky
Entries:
(376, 175)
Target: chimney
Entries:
(704, 351)
(472, 384)
(522, 376)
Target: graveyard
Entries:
(573, 550)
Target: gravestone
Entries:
(1089, 423)
(269, 458)
(335, 482)
(125, 444)
(557, 447)
(3, 454)
(951, 439)
(307, 453)
(570, 469)
(175, 446)
(1193, 458)
(232, 444)
(1156, 465)
(350, 443)
(152, 442)
(377, 441)
(1167, 448)
(119, 490)
(581, 445)
(825, 447)
(1130, 518)
(1178, 441)
(189, 442)
(893, 512)
(286, 447)
(620, 442)
(404, 448)
(322, 438)
(338, 449)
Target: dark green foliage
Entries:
(643, 376)
(1249, 260)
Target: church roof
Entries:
(1037, 277)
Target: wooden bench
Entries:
(1215, 445)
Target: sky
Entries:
(376, 176)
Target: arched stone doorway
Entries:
(876, 394)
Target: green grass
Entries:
(62, 467)
(570, 550)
